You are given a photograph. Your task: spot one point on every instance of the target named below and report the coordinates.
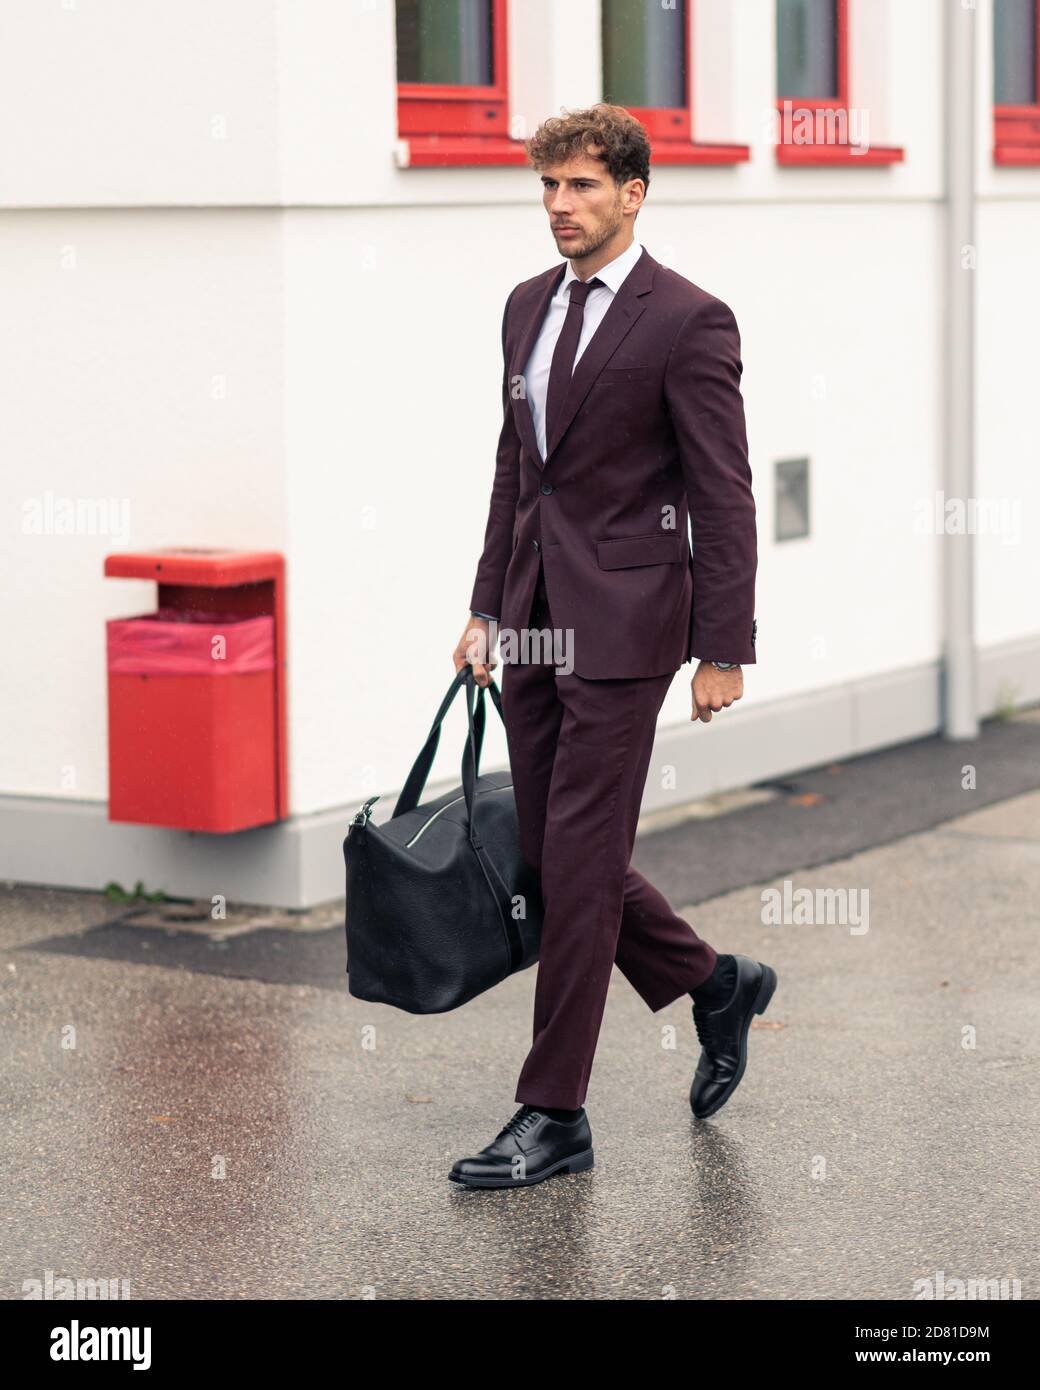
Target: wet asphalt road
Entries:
(219, 1119)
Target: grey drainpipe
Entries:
(959, 708)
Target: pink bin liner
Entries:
(173, 642)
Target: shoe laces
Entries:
(704, 1024)
(521, 1121)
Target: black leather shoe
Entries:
(723, 1036)
(532, 1146)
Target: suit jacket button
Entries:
(547, 488)
(536, 545)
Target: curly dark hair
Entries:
(603, 131)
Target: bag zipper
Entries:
(363, 815)
(425, 826)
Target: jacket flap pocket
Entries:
(655, 549)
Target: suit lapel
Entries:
(625, 309)
(528, 337)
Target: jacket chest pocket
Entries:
(617, 376)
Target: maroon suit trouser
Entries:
(579, 751)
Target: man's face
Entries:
(585, 205)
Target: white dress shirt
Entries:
(536, 374)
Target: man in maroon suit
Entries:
(623, 419)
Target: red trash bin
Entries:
(196, 693)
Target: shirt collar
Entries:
(612, 274)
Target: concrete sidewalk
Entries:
(887, 1129)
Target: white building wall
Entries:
(1007, 423)
(224, 174)
(834, 280)
(141, 364)
(109, 103)
(1007, 426)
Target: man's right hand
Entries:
(476, 648)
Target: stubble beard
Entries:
(593, 241)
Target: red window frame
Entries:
(1016, 128)
(672, 136)
(827, 155)
(444, 123)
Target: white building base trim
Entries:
(299, 863)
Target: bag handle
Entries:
(413, 789)
(416, 779)
(500, 891)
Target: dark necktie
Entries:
(562, 365)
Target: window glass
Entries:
(644, 53)
(445, 41)
(806, 49)
(1014, 52)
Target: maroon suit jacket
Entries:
(652, 432)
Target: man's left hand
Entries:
(714, 689)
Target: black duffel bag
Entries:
(440, 903)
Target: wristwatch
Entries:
(725, 665)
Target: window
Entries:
(1016, 93)
(645, 65)
(646, 69)
(817, 124)
(811, 59)
(452, 95)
